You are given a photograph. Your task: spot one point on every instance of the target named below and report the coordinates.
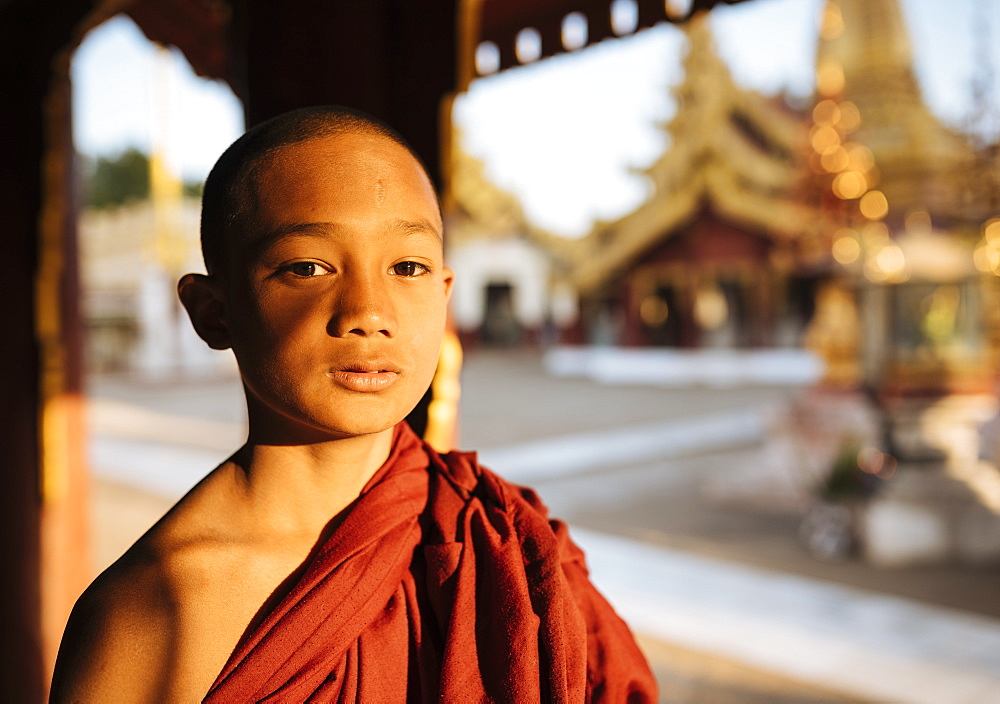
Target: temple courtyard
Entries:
(690, 527)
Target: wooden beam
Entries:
(501, 21)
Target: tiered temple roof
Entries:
(739, 155)
(732, 151)
(482, 210)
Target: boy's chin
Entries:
(300, 424)
(360, 424)
(367, 420)
(361, 427)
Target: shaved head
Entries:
(230, 194)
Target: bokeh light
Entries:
(830, 78)
(487, 58)
(861, 157)
(850, 116)
(991, 231)
(846, 248)
(677, 9)
(874, 461)
(834, 159)
(874, 205)
(822, 138)
(874, 234)
(832, 25)
(826, 113)
(890, 259)
(654, 311)
(710, 308)
(574, 31)
(987, 259)
(624, 17)
(849, 185)
(918, 222)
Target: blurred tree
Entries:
(111, 181)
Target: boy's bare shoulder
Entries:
(127, 638)
(122, 624)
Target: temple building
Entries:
(709, 259)
(130, 259)
(755, 209)
(503, 289)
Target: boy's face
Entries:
(336, 319)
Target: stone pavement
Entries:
(871, 646)
(728, 605)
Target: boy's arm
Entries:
(116, 646)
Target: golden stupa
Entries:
(864, 57)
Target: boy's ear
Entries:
(449, 279)
(205, 305)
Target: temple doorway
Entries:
(500, 325)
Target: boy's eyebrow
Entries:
(322, 229)
(418, 226)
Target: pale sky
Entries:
(561, 134)
(113, 81)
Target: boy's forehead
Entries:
(354, 169)
(347, 150)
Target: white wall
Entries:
(512, 261)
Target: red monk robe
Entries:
(443, 583)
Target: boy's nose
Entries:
(363, 308)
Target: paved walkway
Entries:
(728, 604)
(870, 646)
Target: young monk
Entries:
(335, 557)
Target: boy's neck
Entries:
(299, 487)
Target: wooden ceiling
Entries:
(199, 28)
(202, 28)
(500, 21)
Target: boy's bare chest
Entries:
(218, 606)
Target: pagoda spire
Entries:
(864, 57)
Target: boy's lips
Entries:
(365, 376)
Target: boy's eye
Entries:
(306, 269)
(408, 269)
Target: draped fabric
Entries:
(443, 583)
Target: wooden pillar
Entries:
(42, 485)
(64, 479)
(395, 59)
(633, 289)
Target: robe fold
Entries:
(443, 583)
